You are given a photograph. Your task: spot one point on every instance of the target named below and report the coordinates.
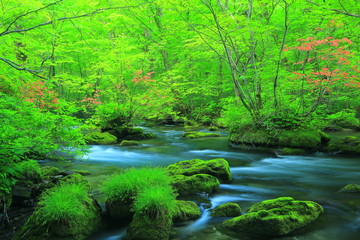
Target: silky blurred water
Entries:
(257, 176)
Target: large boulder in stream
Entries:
(66, 211)
(198, 183)
(218, 168)
(226, 210)
(186, 210)
(100, 138)
(275, 217)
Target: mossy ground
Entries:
(297, 138)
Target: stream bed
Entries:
(257, 176)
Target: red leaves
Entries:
(139, 77)
(39, 94)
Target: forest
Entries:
(257, 79)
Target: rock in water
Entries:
(226, 210)
(275, 217)
(218, 168)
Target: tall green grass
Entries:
(128, 184)
(64, 202)
(156, 201)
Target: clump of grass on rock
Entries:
(64, 212)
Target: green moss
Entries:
(81, 172)
(197, 183)
(301, 138)
(213, 128)
(275, 217)
(346, 145)
(251, 137)
(186, 210)
(143, 228)
(351, 188)
(129, 143)
(119, 209)
(102, 138)
(297, 138)
(200, 134)
(49, 171)
(292, 151)
(75, 178)
(64, 212)
(218, 168)
(226, 210)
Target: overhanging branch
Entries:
(335, 10)
(97, 11)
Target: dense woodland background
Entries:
(273, 64)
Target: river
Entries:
(257, 176)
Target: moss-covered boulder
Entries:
(297, 138)
(65, 212)
(275, 217)
(129, 133)
(218, 168)
(129, 143)
(75, 178)
(144, 228)
(119, 209)
(198, 183)
(49, 171)
(81, 172)
(100, 138)
(200, 134)
(351, 188)
(186, 210)
(292, 151)
(226, 210)
(346, 145)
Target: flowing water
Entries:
(257, 176)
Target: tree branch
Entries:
(334, 10)
(97, 11)
(20, 68)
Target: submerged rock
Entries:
(218, 168)
(275, 217)
(200, 134)
(186, 210)
(351, 188)
(226, 210)
(100, 138)
(198, 183)
(129, 143)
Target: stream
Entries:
(257, 176)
